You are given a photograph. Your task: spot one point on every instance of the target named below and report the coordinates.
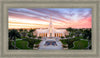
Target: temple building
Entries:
(51, 31)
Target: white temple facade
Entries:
(51, 31)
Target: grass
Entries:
(81, 44)
(21, 44)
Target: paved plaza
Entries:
(58, 45)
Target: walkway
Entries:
(50, 47)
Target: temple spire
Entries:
(50, 21)
(50, 27)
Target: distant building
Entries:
(51, 31)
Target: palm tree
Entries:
(31, 31)
(13, 34)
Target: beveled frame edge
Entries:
(56, 55)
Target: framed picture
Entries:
(49, 28)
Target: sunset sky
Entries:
(39, 17)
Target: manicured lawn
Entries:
(21, 44)
(81, 44)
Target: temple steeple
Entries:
(50, 27)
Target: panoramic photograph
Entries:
(49, 28)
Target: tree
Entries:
(31, 30)
(20, 30)
(87, 35)
(29, 35)
(62, 37)
(31, 42)
(77, 33)
(69, 29)
(25, 30)
(39, 37)
(67, 36)
(23, 34)
(13, 34)
(34, 36)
